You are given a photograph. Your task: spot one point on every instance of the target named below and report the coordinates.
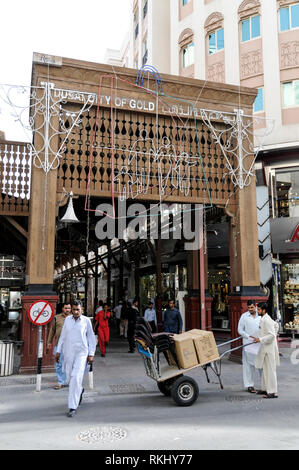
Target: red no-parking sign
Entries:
(40, 313)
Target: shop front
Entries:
(286, 279)
(281, 172)
(174, 281)
(12, 277)
(219, 278)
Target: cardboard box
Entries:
(185, 350)
(205, 346)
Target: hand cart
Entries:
(171, 380)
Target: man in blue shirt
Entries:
(151, 316)
(172, 319)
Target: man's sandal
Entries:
(270, 395)
(58, 387)
(251, 390)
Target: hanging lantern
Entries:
(70, 216)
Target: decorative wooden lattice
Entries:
(15, 174)
(136, 160)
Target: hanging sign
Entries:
(40, 313)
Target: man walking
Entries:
(124, 319)
(172, 319)
(102, 324)
(151, 317)
(77, 343)
(117, 311)
(55, 332)
(248, 328)
(268, 355)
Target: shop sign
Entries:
(295, 236)
(285, 235)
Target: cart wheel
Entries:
(184, 391)
(165, 387)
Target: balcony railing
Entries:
(15, 176)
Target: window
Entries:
(188, 55)
(145, 8)
(216, 41)
(289, 17)
(185, 2)
(290, 92)
(144, 52)
(251, 28)
(258, 105)
(136, 24)
(287, 190)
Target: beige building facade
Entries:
(251, 43)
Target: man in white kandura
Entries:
(248, 328)
(78, 344)
(268, 355)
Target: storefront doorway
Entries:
(219, 289)
(174, 280)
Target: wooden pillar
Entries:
(86, 285)
(96, 278)
(195, 311)
(208, 297)
(158, 303)
(109, 272)
(192, 301)
(121, 269)
(244, 258)
(40, 247)
(137, 277)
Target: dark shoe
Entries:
(270, 395)
(81, 396)
(261, 392)
(251, 390)
(71, 413)
(131, 351)
(103, 355)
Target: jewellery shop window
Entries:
(219, 288)
(290, 279)
(287, 190)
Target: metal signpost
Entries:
(40, 313)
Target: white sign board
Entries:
(40, 312)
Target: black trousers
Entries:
(153, 326)
(131, 334)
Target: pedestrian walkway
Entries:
(125, 410)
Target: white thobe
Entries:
(249, 326)
(76, 342)
(268, 355)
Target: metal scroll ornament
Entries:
(46, 117)
(240, 139)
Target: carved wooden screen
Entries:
(140, 154)
(15, 172)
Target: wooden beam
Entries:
(17, 226)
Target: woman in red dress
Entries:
(102, 319)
